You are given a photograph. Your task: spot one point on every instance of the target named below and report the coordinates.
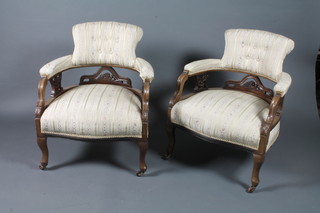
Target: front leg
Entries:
(143, 146)
(42, 143)
(258, 160)
(143, 142)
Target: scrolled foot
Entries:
(140, 173)
(43, 166)
(251, 189)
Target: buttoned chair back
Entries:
(256, 52)
(100, 43)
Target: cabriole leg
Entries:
(143, 146)
(171, 136)
(258, 160)
(42, 143)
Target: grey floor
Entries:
(201, 177)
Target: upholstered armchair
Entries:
(104, 105)
(243, 113)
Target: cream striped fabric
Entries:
(144, 68)
(203, 65)
(283, 84)
(102, 43)
(94, 111)
(225, 115)
(56, 66)
(256, 51)
(105, 43)
(251, 51)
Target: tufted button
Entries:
(242, 44)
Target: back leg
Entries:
(143, 146)
(171, 136)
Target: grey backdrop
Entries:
(201, 177)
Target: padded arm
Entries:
(203, 65)
(283, 84)
(144, 68)
(56, 66)
(63, 63)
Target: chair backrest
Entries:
(256, 52)
(105, 43)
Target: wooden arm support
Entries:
(271, 121)
(178, 92)
(145, 107)
(41, 97)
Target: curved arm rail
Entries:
(145, 69)
(64, 63)
(178, 92)
(283, 84)
(205, 65)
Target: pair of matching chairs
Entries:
(104, 106)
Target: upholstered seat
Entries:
(104, 105)
(225, 115)
(94, 111)
(242, 113)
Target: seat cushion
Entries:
(94, 111)
(226, 115)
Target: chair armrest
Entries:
(56, 66)
(145, 69)
(179, 89)
(283, 84)
(204, 65)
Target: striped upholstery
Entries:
(94, 111)
(283, 84)
(225, 115)
(110, 43)
(203, 65)
(58, 65)
(102, 43)
(255, 51)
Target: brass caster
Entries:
(43, 166)
(251, 189)
(140, 173)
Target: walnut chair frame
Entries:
(105, 75)
(250, 84)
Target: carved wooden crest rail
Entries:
(105, 75)
(251, 84)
